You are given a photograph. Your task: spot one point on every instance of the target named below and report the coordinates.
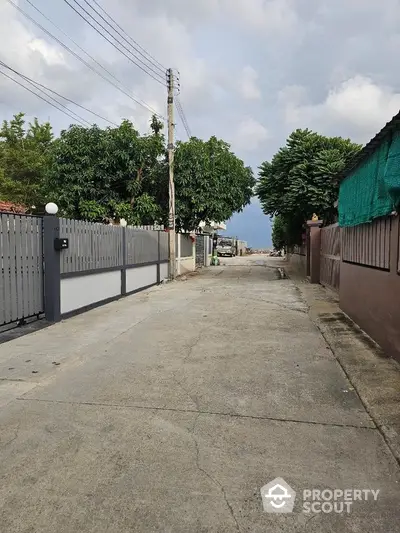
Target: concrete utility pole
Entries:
(171, 216)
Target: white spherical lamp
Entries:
(51, 208)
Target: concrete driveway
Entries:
(168, 411)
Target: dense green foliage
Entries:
(24, 160)
(107, 174)
(211, 182)
(301, 179)
(278, 233)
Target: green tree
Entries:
(24, 160)
(301, 179)
(278, 233)
(211, 183)
(108, 174)
(115, 173)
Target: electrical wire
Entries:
(79, 58)
(152, 62)
(59, 104)
(75, 43)
(82, 121)
(141, 66)
(40, 87)
(182, 116)
(129, 37)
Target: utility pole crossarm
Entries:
(171, 212)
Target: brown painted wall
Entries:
(371, 297)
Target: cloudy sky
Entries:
(250, 70)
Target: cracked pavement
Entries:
(170, 409)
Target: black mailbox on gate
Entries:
(60, 244)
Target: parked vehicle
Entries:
(226, 246)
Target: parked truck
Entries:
(226, 246)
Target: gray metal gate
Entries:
(330, 256)
(21, 279)
(200, 242)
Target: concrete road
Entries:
(169, 410)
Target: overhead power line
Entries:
(83, 61)
(182, 116)
(81, 120)
(130, 38)
(141, 65)
(43, 88)
(160, 70)
(75, 43)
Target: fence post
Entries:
(194, 243)
(52, 270)
(178, 254)
(314, 252)
(159, 259)
(124, 260)
(394, 243)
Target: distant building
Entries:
(212, 227)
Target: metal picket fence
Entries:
(54, 266)
(21, 280)
(142, 246)
(91, 246)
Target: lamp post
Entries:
(51, 208)
(52, 246)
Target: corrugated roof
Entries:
(370, 147)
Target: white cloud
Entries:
(23, 49)
(357, 107)
(249, 84)
(249, 135)
(51, 55)
(362, 103)
(274, 15)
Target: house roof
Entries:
(10, 207)
(370, 146)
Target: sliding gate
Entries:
(21, 277)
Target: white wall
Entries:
(80, 291)
(139, 277)
(207, 256)
(164, 271)
(185, 265)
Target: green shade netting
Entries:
(373, 189)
